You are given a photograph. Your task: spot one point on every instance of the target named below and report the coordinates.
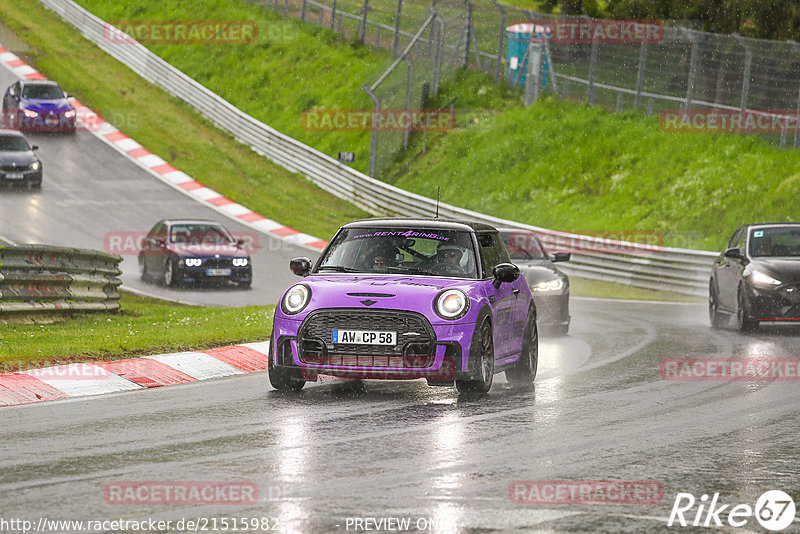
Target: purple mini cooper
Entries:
(406, 299)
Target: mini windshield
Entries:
(13, 143)
(199, 234)
(42, 92)
(775, 242)
(524, 245)
(431, 252)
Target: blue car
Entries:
(38, 106)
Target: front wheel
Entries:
(170, 277)
(485, 346)
(744, 320)
(524, 371)
(282, 379)
(716, 318)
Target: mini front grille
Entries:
(416, 341)
(216, 263)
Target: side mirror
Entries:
(67, 95)
(560, 256)
(240, 243)
(733, 253)
(34, 147)
(300, 266)
(504, 272)
(159, 242)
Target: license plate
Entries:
(51, 121)
(15, 175)
(364, 337)
(218, 272)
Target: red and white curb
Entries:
(109, 134)
(84, 379)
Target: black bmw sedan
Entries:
(757, 278)
(18, 163)
(549, 286)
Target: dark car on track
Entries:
(183, 251)
(18, 162)
(408, 298)
(549, 285)
(38, 105)
(757, 278)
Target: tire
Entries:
(715, 317)
(145, 275)
(169, 274)
(485, 343)
(744, 320)
(524, 371)
(283, 379)
(244, 285)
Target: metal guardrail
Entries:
(680, 270)
(45, 278)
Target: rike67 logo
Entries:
(774, 510)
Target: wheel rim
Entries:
(168, 273)
(712, 303)
(486, 352)
(533, 350)
(740, 313)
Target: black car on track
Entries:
(549, 285)
(757, 278)
(18, 162)
(175, 252)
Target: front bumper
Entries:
(20, 177)
(240, 275)
(443, 358)
(552, 309)
(49, 122)
(778, 304)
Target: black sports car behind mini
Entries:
(18, 163)
(757, 278)
(549, 286)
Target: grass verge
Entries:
(144, 326)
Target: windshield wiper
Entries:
(338, 268)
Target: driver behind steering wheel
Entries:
(449, 257)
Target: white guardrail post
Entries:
(679, 270)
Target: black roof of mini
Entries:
(421, 222)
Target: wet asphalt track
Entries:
(599, 409)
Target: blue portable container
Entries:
(518, 39)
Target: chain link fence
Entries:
(682, 71)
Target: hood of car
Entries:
(46, 106)
(412, 293)
(536, 271)
(783, 269)
(19, 158)
(206, 250)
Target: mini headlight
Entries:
(194, 262)
(239, 262)
(763, 279)
(451, 304)
(35, 166)
(30, 113)
(549, 285)
(69, 114)
(296, 299)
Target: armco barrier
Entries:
(679, 270)
(44, 278)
